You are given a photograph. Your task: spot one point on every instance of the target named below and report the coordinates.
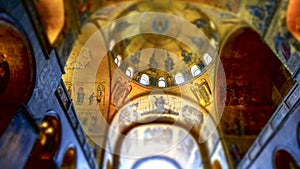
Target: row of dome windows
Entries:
(179, 78)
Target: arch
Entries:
(134, 115)
(112, 43)
(16, 66)
(109, 165)
(118, 60)
(207, 58)
(195, 70)
(155, 162)
(46, 144)
(179, 79)
(69, 159)
(254, 77)
(52, 14)
(167, 140)
(216, 165)
(162, 82)
(129, 72)
(17, 69)
(283, 160)
(144, 80)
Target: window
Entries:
(161, 82)
(156, 162)
(129, 72)
(179, 79)
(111, 44)
(118, 60)
(195, 70)
(283, 160)
(112, 26)
(216, 165)
(207, 59)
(69, 160)
(144, 80)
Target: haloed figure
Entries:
(160, 103)
(4, 73)
(80, 95)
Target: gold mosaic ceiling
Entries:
(158, 51)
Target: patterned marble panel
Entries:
(46, 83)
(18, 138)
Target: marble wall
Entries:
(48, 96)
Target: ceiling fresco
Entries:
(250, 88)
(189, 62)
(144, 72)
(253, 92)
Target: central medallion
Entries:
(156, 24)
(160, 24)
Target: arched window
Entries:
(12, 73)
(216, 165)
(69, 160)
(284, 159)
(179, 79)
(195, 70)
(112, 26)
(156, 162)
(129, 72)
(144, 80)
(161, 82)
(111, 44)
(118, 60)
(207, 59)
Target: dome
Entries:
(171, 46)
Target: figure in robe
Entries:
(80, 95)
(160, 103)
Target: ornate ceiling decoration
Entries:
(156, 56)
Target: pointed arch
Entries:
(283, 159)
(17, 69)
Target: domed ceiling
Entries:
(149, 50)
(146, 52)
(157, 57)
